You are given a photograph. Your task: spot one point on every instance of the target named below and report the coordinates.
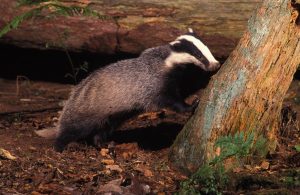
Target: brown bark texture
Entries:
(131, 26)
(247, 92)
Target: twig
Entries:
(31, 111)
(19, 78)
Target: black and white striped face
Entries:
(189, 49)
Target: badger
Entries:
(111, 94)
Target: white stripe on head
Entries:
(174, 42)
(182, 58)
(203, 48)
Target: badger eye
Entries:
(201, 58)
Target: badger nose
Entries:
(214, 66)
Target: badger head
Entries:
(188, 49)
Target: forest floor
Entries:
(136, 164)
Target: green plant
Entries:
(291, 178)
(76, 70)
(212, 176)
(15, 118)
(53, 8)
(73, 74)
(15, 22)
(241, 147)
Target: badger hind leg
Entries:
(100, 138)
(111, 125)
(72, 133)
(65, 137)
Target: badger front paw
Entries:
(195, 104)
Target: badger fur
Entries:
(154, 80)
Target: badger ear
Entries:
(190, 30)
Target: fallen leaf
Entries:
(6, 154)
(70, 189)
(257, 168)
(35, 193)
(114, 168)
(148, 173)
(104, 152)
(32, 148)
(145, 170)
(107, 172)
(237, 170)
(248, 167)
(265, 165)
(127, 155)
(111, 187)
(108, 161)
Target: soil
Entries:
(135, 161)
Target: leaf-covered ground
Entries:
(136, 163)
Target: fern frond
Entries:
(56, 8)
(16, 21)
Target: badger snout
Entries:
(213, 66)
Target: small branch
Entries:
(31, 111)
(19, 78)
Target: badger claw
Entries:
(195, 105)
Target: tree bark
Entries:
(132, 25)
(247, 92)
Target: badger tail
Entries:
(48, 133)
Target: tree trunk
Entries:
(246, 94)
(132, 26)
